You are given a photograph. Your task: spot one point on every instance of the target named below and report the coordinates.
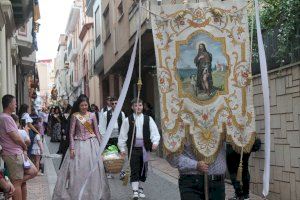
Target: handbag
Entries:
(26, 163)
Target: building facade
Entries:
(45, 69)
(17, 50)
(77, 61)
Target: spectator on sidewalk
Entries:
(191, 171)
(23, 130)
(145, 139)
(14, 150)
(40, 127)
(24, 115)
(37, 151)
(6, 186)
(44, 115)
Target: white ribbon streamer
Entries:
(265, 89)
(115, 113)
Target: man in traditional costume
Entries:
(140, 134)
(107, 115)
(191, 170)
(104, 109)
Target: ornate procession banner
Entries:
(204, 76)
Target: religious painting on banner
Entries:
(204, 76)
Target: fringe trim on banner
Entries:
(246, 149)
(126, 178)
(199, 156)
(212, 158)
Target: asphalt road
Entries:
(157, 187)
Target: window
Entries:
(98, 26)
(120, 11)
(106, 23)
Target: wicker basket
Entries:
(113, 165)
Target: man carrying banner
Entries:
(191, 179)
(140, 134)
(113, 140)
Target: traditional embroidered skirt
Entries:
(74, 172)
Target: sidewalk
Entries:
(41, 187)
(161, 165)
(38, 188)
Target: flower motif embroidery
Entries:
(205, 117)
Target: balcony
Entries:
(86, 26)
(73, 54)
(2, 19)
(22, 11)
(73, 19)
(28, 63)
(7, 14)
(24, 39)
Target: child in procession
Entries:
(144, 140)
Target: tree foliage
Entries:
(281, 21)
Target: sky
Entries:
(54, 17)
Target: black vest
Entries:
(146, 133)
(105, 109)
(120, 119)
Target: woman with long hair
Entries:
(56, 121)
(81, 158)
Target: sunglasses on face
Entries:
(114, 103)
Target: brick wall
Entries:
(285, 134)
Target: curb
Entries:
(50, 170)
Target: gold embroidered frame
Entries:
(189, 109)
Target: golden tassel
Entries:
(126, 177)
(240, 169)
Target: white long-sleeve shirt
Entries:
(100, 114)
(103, 124)
(139, 120)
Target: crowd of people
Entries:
(80, 129)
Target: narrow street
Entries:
(161, 183)
(155, 187)
(215, 83)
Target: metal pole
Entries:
(140, 38)
(206, 192)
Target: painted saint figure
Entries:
(203, 62)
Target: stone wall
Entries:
(285, 134)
